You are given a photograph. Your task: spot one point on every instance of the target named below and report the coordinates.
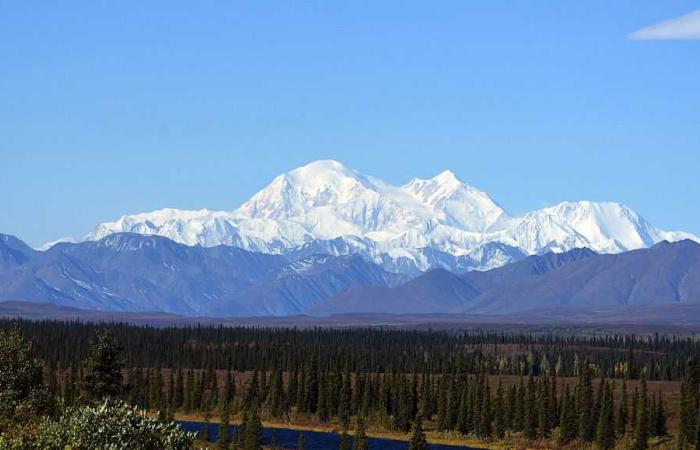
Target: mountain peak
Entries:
(456, 203)
(325, 164)
(325, 200)
(323, 169)
(447, 177)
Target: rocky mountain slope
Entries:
(131, 272)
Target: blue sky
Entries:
(111, 108)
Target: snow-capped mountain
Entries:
(457, 204)
(325, 207)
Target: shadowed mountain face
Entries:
(664, 273)
(578, 279)
(130, 272)
(436, 291)
(527, 268)
(310, 281)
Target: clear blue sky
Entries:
(121, 107)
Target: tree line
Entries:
(368, 350)
(318, 375)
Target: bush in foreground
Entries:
(110, 425)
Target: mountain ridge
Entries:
(325, 204)
(137, 273)
(575, 280)
(134, 272)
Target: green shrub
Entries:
(110, 425)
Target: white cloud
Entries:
(683, 27)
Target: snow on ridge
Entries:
(325, 200)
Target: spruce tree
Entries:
(291, 396)
(179, 390)
(252, 439)
(442, 407)
(473, 404)
(251, 395)
(464, 413)
(418, 441)
(323, 408)
(660, 419)
(345, 395)
(187, 401)
(651, 416)
(623, 411)
(231, 386)
(263, 387)
(412, 397)
(223, 436)
(356, 403)
(311, 385)
(170, 390)
(360, 441)
(568, 422)
(425, 400)
(104, 378)
(276, 394)
(402, 404)
(334, 385)
(584, 400)
(688, 417)
(530, 410)
(689, 404)
(519, 409)
(499, 413)
(544, 408)
(453, 394)
(510, 408)
(597, 404)
(344, 437)
(300, 394)
(198, 393)
(484, 429)
(554, 410)
(605, 431)
(214, 388)
(641, 432)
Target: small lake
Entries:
(313, 440)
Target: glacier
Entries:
(325, 207)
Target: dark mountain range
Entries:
(436, 291)
(310, 281)
(524, 269)
(666, 272)
(577, 279)
(131, 272)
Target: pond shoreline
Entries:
(399, 440)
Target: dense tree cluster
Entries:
(367, 350)
(485, 385)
